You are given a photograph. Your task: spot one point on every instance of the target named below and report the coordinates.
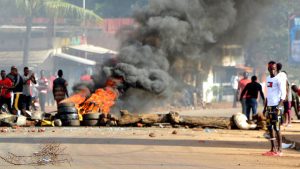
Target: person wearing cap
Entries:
(5, 94)
(242, 84)
(276, 94)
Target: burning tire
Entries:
(67, 110)
(69, 104)
(69, 117)
(90, 122)
(70, 122)
(91, 116)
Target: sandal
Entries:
(270, 153)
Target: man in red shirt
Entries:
(242, 84)
(5, 95)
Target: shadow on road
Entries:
(133, 141)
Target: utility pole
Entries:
(84, 28)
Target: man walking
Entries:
(242, 84)
(5, 94)
(252, 89)
(60, 90)
(276, 89)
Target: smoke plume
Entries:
(168, 32)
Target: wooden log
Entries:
(200, 121)
(128, 118)
(174, 118)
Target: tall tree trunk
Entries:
(51, 32)
(27, 39)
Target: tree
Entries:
(270, 35)
(51, 8)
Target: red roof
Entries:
(112, 25)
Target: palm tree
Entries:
(53, 9)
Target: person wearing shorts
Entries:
(276, 93)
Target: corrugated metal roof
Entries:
(94, 49)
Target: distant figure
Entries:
(60, 90)
(295, 100)
(43, 84)
(5, 94)
(35, 104)
(234, 85)
(252, 89)
(242, 84)
(296, 90)
(50, 99)
(86, 77)
(17, 89)
(27, 93)
(287, 104)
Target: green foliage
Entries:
(51, 8)
(272, 39)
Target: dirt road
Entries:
(133, 148)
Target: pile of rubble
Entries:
(68, 115)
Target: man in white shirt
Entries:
(234, 84)
(276, 93)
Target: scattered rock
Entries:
(152, 135)
(40, 130)
(57, 122)
(15, 127)
(139, 125)
(174, 132)
(4, 130)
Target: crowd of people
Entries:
(281, 96)
(21, 93)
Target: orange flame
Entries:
(100, 101)
(77, 99)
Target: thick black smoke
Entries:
(169, 31)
